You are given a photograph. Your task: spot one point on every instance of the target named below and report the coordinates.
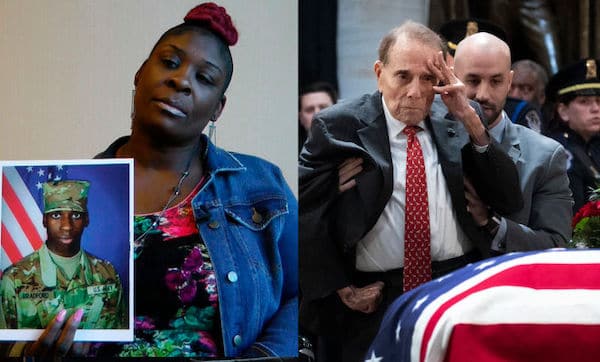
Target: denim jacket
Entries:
(248, 218)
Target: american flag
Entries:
(22, 231)
(532, 306)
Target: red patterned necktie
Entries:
(417, 250)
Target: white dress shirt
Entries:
(382, 248)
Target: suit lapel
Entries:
(375, 140)
(511, 144)
(449, 138)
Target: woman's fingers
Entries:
(65, 341)
(45, 343)
(57, 338)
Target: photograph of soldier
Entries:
(61, 278)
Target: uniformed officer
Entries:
(575, 90)
(519, 111)
(524, 113)
(61, 275)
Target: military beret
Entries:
(68, 195)
(579, 78)
(456, 30)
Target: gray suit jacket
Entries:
(331, 223)
(545, 219)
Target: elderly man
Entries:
(403, 217)
(482, 62)
(61, 277)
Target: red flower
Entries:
(590, 209)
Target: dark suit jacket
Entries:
(331, 223)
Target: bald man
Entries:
(483, 63)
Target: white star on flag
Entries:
(443, 277)
(485, 265)
(419, 302)
(374, 358)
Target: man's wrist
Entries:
(475, 128)
(478, 134)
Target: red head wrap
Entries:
(216, 19)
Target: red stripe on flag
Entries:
(524, 343)
(537, 276)
(9, 246)
(21, 215)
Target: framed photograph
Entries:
(66, 238)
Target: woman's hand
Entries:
(57, 339)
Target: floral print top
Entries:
(176, 304)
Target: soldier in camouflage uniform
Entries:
(60, 275)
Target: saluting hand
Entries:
(454, 95)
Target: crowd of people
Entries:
(523, 137)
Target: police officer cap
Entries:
(456, 30)
(68, 195)
(580, 78)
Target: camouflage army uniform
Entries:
(35, 289)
